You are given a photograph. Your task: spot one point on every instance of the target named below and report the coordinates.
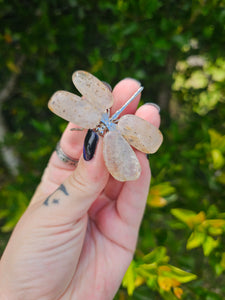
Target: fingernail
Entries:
(90, 144)
(108, 85)
(154, 104)
(138, 82)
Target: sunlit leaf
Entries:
(209, 245)
(217, 140)
(165, 189)
(158, 195)
(178, 292)
(216, 223)
(197, 80)
(215, 231)
(158, 255)
(196, 239)
(180, 275)
(157, 201)
(166, 283)
(163, 269)
(217, 158)
(221, 178)
(139, 281)
(218, 269)
(214, 226)
(22, 202)
(189, 217)
(129, 278)
(151, 281)
(222, 262)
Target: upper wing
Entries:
(120, 159)
(96, 92)
(140, 134)
(74, 109)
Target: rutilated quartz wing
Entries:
(95, 91)
(74, 109)
(140, 134)
(120, 159)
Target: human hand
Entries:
(78, 235)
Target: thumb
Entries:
(52, 229)
(72, 199)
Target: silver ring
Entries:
(64, 157)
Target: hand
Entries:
(79, 233)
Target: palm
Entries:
(108, 247)
(99, 268)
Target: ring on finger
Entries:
(64, 157)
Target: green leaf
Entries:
(209, 245)
(196, 239)
(151, 281)
(147, 271)
(167, 295)
(129, 279)
(217, 158)
(158, 255)
(21, 201)
(3, 213)
(218, 269)
(214, 224)
(189, 217)
(215, 231)
(165, 189)
(197, 80)
(217, 140)
(183, 214)
(222, 262)
(178, 274)
(221, 178)
(157, 194)
(43, 127)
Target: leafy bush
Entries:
(176, 50)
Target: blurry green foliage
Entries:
(153, 270)
(176, 48)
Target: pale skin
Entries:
(79, 233)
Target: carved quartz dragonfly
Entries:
(92, 111)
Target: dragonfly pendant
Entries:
(92, 111)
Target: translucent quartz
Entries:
(95, 91)
(119, 157)
(74, 109)
(140, 134)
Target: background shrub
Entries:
(176, 49)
